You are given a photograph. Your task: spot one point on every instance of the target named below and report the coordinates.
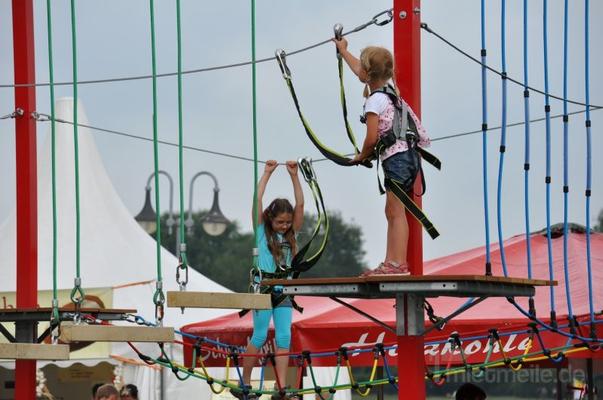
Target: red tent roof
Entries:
(325, 324)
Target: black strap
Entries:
(412, 207)
(332, 155)
(300, 262)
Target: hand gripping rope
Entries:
(332, 155)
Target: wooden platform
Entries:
(388, 286)
(27, 351)
(237, 301)
(113, 333)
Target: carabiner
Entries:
(281, 58)
(305, 165)
(338, 33)
(390, 16)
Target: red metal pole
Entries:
(407, 56)
(26, 181)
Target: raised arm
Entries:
(298, 209)
(268, 170)
(353, 62)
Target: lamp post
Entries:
(147, 218)
(214, 223)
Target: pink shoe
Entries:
(388, 268)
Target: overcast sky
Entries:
(114, 41)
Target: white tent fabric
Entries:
(114, 249)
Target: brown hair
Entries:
(106, 392)
(378, 62)
(277, 207)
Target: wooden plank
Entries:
(408, 278)
(115, 333)
(250, 301)
(31, 351)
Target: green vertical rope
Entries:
(183, 262)
(158, 296)
(255, 133)
(55, 300)
(77, 294)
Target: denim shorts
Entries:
(402, 167)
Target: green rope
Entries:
(55, 300)
(183, 262)
(77, 293)
(255, 136)
(158, 296)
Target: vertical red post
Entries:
(26, 180)
(407, 57)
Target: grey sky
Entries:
(114, 41)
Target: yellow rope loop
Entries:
(211, 379)
(519, 362)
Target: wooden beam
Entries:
(114, 333)
(248, 301)
(31, 351)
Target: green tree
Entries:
(226, 259)
(599, 226)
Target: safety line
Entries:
(526, 164)
(154, 75)
(547, 179)
(587, 192)
(566, 163)
(55, 319)
(484, 131)
(158, 296)
(42, 117)
(77, 293)
(503, 136)
(182, 261)
(499, 73)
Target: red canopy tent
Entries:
(326, 325)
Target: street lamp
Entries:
(214, 222)
(147, 218)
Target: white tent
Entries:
(116, 254)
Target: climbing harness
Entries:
(404, 128)
(332, 155)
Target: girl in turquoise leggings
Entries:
(278, 225)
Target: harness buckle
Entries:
(307, 170)
(281, 58)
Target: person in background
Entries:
(129, 392)
(469, 391)
(107, 392)
(95, 389)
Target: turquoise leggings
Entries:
(282, 326)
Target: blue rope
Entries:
(588, 155)
(503, 135)
(485, 136)
(566, 164)
(547, 111)
(526, 166)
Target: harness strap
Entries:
(332, 155)
(412, 207)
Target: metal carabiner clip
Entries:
(305, 165)
(338, 33)
(281, 58)
(390, 16)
